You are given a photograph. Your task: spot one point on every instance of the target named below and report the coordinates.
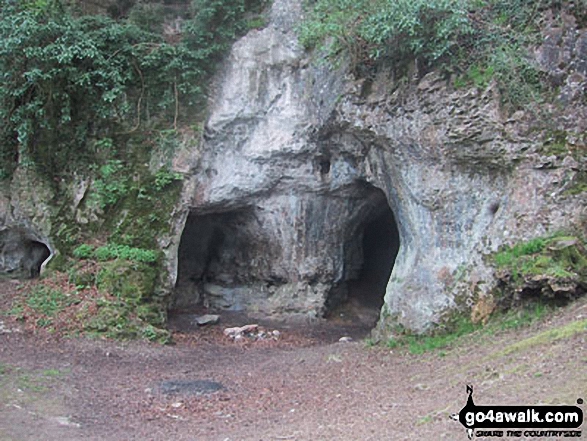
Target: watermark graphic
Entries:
(518, 421)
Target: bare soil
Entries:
(304, 386)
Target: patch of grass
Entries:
(370, 342)
(419, 344)
(461, 326)
(425, 420)
(52, 373)
(546, 337)
(29, 380)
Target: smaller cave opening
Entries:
(20, 255)
(371, 250)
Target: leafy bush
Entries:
(111, 184)
(478, 40)
(115, 251)
(389, 29)
(429, 30)
(69, 79)
(84, 251)
(163, 178)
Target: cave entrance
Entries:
(371, 249)
(213, 251)
(21, 255)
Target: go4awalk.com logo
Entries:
(520, 421)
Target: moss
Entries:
(555, 143)
(578, 186)
(457, 326)
(561, 143)
(131, 281)
(557, 256)
(453, 327)
(148, 210)
(117, 252)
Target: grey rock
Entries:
(207, 319)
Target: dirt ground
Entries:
(304, 386)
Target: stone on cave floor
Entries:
(246, 329)
(251, 332)
(207, 319)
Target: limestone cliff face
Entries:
(297, 160)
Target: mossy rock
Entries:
(131, 281)
(551, 268)
(121, 321)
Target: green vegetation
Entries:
(556, 256)
(47, 302)
(105, 98)
(559, 256)
(397, 29)
(70, 79)
(461, 326)
(475, 41)
(114, 299)
(442, 338)
(28, 380)
(518, 318)
(113, 251)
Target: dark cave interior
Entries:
(371, 248)
(380, 244)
